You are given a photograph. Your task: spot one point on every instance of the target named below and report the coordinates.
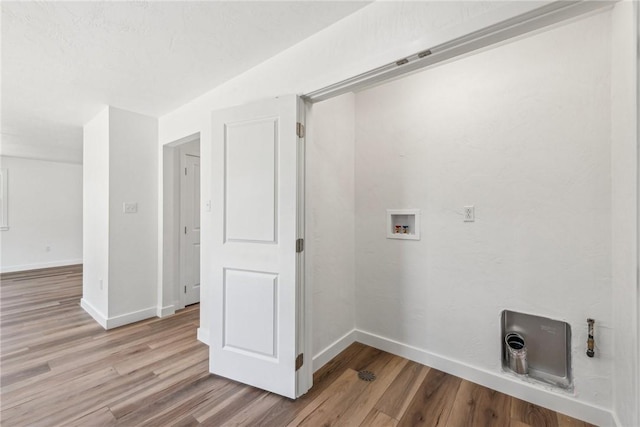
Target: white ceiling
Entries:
(62, 62)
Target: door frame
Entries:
(170, 298)
(421, 55)
(426, 54)
(184, 149)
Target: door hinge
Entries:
(185, 289)
(299, 245)
(185, 229)
(185, 171)
(300, 130)
(299, 361)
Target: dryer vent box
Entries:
(548, 344)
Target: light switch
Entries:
(130, 207)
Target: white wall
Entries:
(522, 132)
(133, 177)
(624, 150)
(380, 34)
(375, 35)
(330, 214)
(95, 277)
(120, 250)
(45, 211)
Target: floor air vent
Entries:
(366, 376)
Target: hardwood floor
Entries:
(59, 367)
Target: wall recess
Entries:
(403, 224)
(548, 347)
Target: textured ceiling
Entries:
(62, 62)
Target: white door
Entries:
(190, 226)
(256, 178)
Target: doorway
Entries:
(189, 284)
(180, 225)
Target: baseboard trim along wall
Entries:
(39, 265)
(335, 348)
(495, 380)
(166, 311)
(94, 312)
(203, 336)
(116, 321)
(134, 316)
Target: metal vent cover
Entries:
(366, 376)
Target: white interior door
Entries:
(190, 226)
(256, 180)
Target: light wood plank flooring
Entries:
(59, 367)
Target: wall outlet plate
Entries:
(130, 207)
(469, 213)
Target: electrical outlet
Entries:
(469, 213)
(130, 207)
(47, 248)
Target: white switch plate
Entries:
(469, 213)
(130, 207)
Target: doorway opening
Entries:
(181, 225)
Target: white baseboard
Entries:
(616, 420)
(332, 350)
(165, 311)
(121, 320)
(203, 336)
(499, 381)
(134, 316)
(94, 312)
(39, 265)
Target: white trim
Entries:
(449, 43)
(166, 311)
(134, 316)
(203, 336)
(502, 382)
(333, 349)
(616, 420)
(93, 312)
(116, 321)
(4, 199)
(39, 265)
(304, 375)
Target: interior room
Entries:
(414, 213)
(517, 131)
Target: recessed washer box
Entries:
(548, 344)
(403, 224)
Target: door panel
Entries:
(256, 293)
(251, 180)
(190, 227)
(254, 264)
